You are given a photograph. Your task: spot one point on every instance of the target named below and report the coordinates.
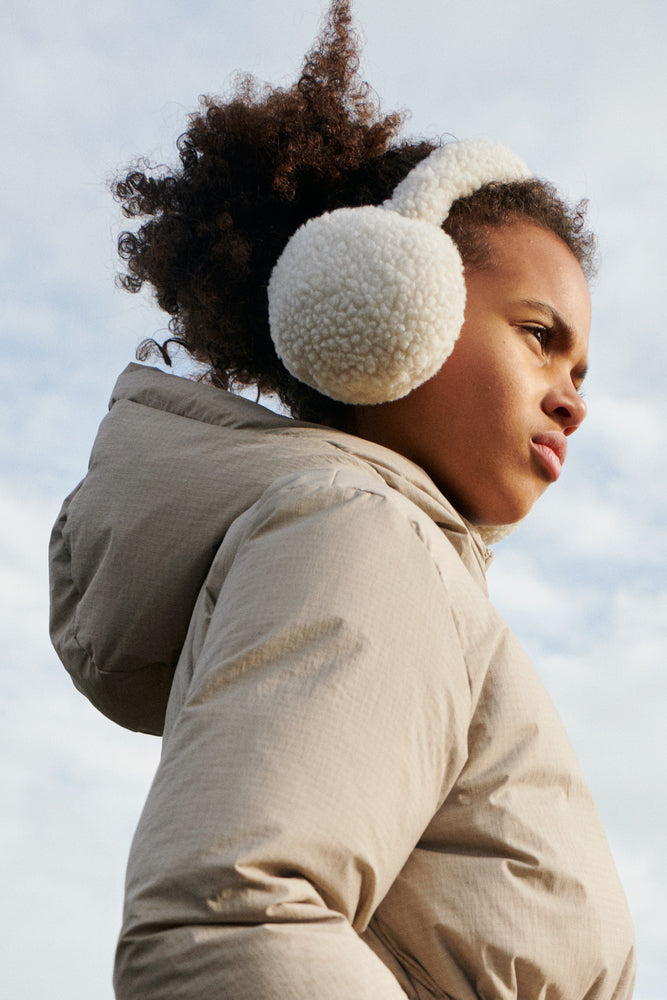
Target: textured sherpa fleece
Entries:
(365, 304)
(454, 171)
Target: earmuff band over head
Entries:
(366, 303)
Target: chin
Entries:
(494, 502)
(507, 513)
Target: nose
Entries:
(566, 406)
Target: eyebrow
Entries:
(559, 324)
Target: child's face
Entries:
(490, 427)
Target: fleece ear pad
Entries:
(365, 304)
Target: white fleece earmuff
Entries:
(365, 304)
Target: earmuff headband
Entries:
(365, 304)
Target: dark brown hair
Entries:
(253, 168)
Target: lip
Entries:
(551, 449)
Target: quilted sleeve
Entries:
(318, 719)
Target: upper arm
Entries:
(325, 717)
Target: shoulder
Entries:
(346, 506)
(337, 536)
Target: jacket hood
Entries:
(175, 462)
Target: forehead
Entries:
(531, 263)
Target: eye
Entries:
(540, 333)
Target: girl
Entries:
(364, 790)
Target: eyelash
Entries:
(541, 333)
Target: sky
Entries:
(576, 88)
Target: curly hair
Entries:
(256, 166)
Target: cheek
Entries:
(461, 379)
(446, 402)
(476, 400)
(483, 387)
(506, 394)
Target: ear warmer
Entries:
(365, 304)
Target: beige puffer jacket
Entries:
(365, 792)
